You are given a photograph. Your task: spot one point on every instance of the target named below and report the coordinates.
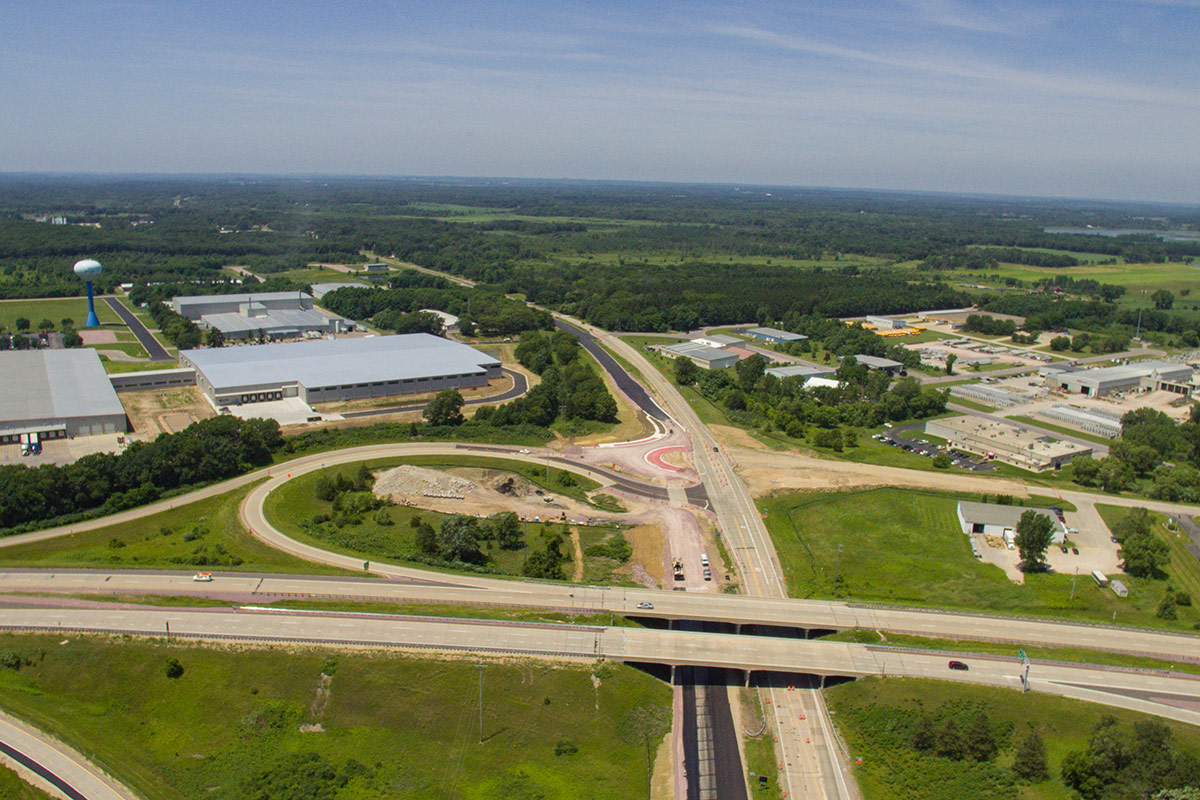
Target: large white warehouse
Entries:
(333, 370)
(56, 394)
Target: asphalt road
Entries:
(54, 762)
(1168, 695)
(415, 585)
(520, 387)
(144, 337)
(625, 382)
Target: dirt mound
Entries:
(511, 485)
(419, 481)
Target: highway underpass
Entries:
(1165, 694)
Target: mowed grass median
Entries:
(241, 723)
(905, 547)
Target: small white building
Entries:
(1000, 521)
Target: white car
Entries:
(645, 604)
(202, 577)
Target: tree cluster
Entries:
(570, 388)
(1127, 764)
(957, 736)
(205, 451)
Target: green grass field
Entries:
(875, 717)
(393, 726)
(905, 547)
(13, 788)
(295, 504)
(144, 545)
(1184, 568)
(1134, 277)
(56, 309)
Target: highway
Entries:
(410, 585)
(1168, 695)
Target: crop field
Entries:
(1134, 277)
(876, 717)
(244, 723)
(905, 547)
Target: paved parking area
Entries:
(288, 411)
(61, 451)
(909, 438)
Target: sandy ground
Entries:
(165, 410)
(770, 471)
(98, 336)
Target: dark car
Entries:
(958, 665)
(1063, 547)
(1075, 550)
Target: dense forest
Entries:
(622, 255)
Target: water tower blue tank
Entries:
(89, 269)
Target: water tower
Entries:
(89, 269)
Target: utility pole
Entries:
(480, 668)
(1138, 335)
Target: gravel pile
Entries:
(409, 480)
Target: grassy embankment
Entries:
(875, 718)
(291, 507)
(13, 788)
(206, 530)
(392, 726)
(905, 547)
(1184, 569)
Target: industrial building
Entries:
(269, 314)
(799, 371)
(774, 335)
(1143, 375)
(319, 290)
(1005, 442)
(1000, 521)
(718, 340)
(377, 272)
(990, 395)
(875, 362)
(703, 355)
(56, 394)
(1100, 421)
(887, 323)
(334, 370)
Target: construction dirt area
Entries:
(649, 525)
(165, 410)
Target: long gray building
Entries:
(1151, 375)
(56, 394)
(333, 370)
(271, 315)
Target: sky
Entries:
(1096, 99)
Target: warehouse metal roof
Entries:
(241, 297)
(52, 384)
(875, 362)
(1006, 516)
(319, 290)
(270, 320)
(775, 333)
(339, 362)
(700, 351)
(1134, 371)
(801, 370)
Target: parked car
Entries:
(645, 604)
(958, 665)
(1075, 550)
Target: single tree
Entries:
(507, 530)
(445, 408)
(1166, 607)
(213, 337)
(22, 324)
(1163, 299)
(45, 325)
(1030, 761)
(1034, 534)
(950, 359)
(425, 538)
(458, 539)
(686, 371)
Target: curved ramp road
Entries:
(60, 766)
(1174, 697)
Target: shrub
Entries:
(173, 668)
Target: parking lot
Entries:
(899, 437)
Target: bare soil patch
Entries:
(165, 410)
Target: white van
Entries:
(704, 559)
